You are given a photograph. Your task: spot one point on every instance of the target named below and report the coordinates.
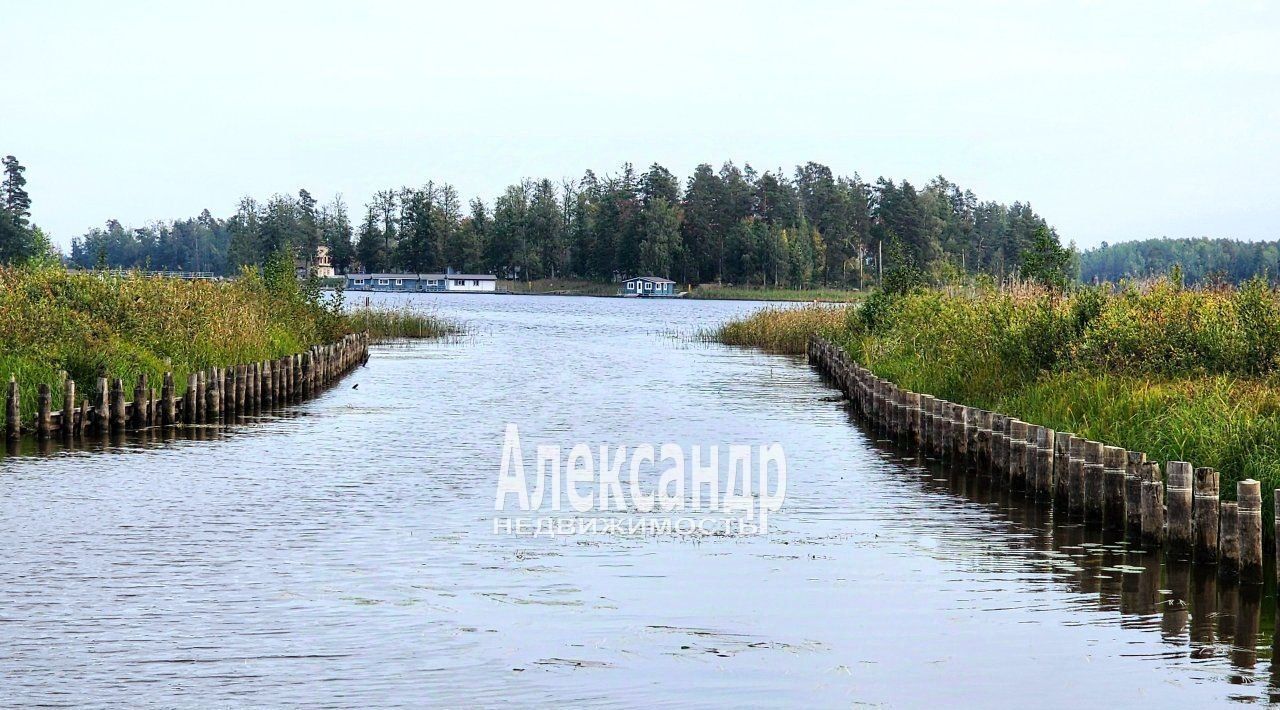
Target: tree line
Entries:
(20, 239)
(1200, 260)
(730, 225)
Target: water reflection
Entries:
(1200, 615)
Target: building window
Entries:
(399, 282)
(382, 282)
(359, 282)
(648, 286)
(459, 282)
(631, 286)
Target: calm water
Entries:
(342, 553)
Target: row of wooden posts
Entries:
(211, 396)
(1087, 480)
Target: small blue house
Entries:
(648, 287)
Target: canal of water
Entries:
(341, 552)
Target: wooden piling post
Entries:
(68, 429)
(1179, 498)
(167, 407)
(253, 395)
(102, 407)
(307, 372)
(202, 387)
(982, 462)
(1113, 502)
(240, 388)
(13, 409)
(1017, 447)
(82, 421)
(117, 406)
(1075, 472)
(1094, 477)
(1061, 468)
(1046, 440)
(1204, 515)
(268, 385)
(44, 416)
(972, 420)
(140, 402)
(189, 399)
(1249, 517)
(1228, 540)
(1133, 494)
(214, 404)
(1030, 472)
(999, 448)
(926, 417)
(1153, 528)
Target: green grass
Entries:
(561, 287)
(1180, 374)
(751, 293)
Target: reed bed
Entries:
(399, 322)
(784, 330)
(1181, 374)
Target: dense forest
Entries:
(1201, 260)
(732, 225)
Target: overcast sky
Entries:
(1114, 120)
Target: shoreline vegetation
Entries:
(707, 291)
(88, 325)
(1183, 374)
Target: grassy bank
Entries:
(748, 293)
(561, 287)
(90, 325)
(1181, 374)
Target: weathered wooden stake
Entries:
(117, 406)
(82, 422)
(1204, 515)
(1046, 440)
(13, 410)
(1179, 494)
(215, 397)
(1094, 475)
(167, 407)
(999, 447)
(140, 402)
(44, 416)
(68, 408)
(1229, 540)
(1133, 494)
(1075, 473)
(1061, 468)
(1249, 512)
(102, 408)
(1017, 446)
(1113, 466)
(189, 399)
(1153, 528)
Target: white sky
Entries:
(1114, 120)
